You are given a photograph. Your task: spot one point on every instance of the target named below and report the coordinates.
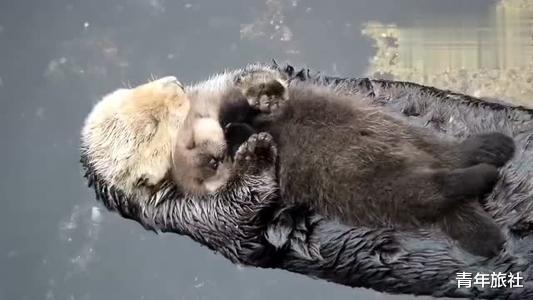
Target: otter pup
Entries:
(203, 151)
(355, 162)
(200, 163)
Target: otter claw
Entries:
(264, 91)
(257, 154)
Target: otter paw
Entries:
(265, 91)
(257, 154)
(490, 148)
(488, 241)
(470, 182)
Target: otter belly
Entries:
(354, 165)
(340, 174)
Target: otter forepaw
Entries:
(264, 91)
(490, 148)
(257, 154)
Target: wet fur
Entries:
(355, 162)
(202, 162)
(383, 260)
(381, 169)
(129, 135)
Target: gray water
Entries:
(58, 57)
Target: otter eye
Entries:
(213, 163)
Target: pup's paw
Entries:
(470, 182)
(265, 91)
(491, 148)
(256, 155)
(487, 240)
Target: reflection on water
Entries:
(490, 58)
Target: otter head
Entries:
(127, 137)
(200, 159)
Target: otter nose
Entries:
(170, 80)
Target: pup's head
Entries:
(201, 163)
(127, 138)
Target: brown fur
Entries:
(200, 163)
(361, 165)
(356, 162)
(201, 160)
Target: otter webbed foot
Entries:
(469, 182)
(491, 148)
(475, 231)
(257, 155)
(265, 91)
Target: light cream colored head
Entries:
(129, 134)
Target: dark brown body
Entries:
(354, 162)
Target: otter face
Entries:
(200, 161)
(128, 135)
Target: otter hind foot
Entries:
(475, 231)
(470, 182)
(490, 148)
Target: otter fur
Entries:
(199, 163)
(129, 134)
(379, 259)
(201, 160)
(357, 163)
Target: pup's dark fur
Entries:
(357, 163)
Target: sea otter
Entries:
(201, 160)
(352, 255)
(129, 137)
(358, 163)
